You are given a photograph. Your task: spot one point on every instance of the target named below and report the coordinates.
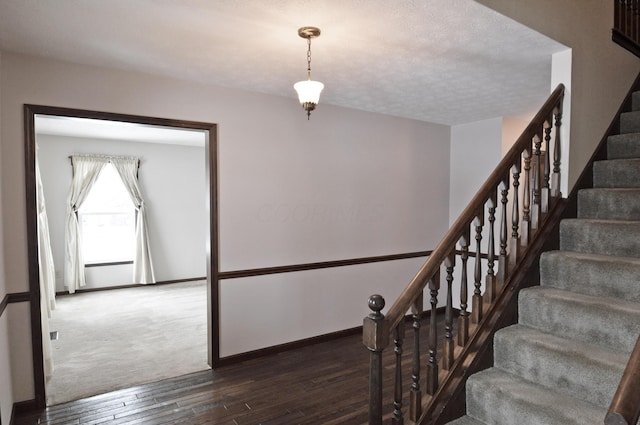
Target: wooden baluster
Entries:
(535, 208)
(555, 178)
(490, 281)
(515, 216)
(625, 13)
(432, 366)
(398, 419)
(447, 352)
(415, 408)
(544, 194)
(525, 228)
(463, 320)
(476, 302)
(633, 25)
(502, 257)
(636, 35)
(627, 17)
(630, 18)
(375, 338)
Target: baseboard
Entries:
(23, 408)
(133, 285)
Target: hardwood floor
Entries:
(325, 383)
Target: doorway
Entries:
(31, 113)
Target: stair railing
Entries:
(625, 407)
(521, 191)
(626, 25)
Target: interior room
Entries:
(94, 349)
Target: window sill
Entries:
(115, 263)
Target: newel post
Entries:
(375, 336)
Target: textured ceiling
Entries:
(442, 61)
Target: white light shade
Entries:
(308, 91)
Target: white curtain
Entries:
(86, 170)
(142, 265)
(46, 272)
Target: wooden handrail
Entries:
(625, 407)
(535, 148)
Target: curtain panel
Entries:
(46, 271)
(86, 170)
(142, 264)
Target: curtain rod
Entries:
(105, 156)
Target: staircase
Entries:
(562, 362)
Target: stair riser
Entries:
(617, 238)
(597, 276)
(565, 368)
(593, 322)
(630, 122)
(610, 204)
(623, 146)
(635, 101)
(619, 173)
(501, 401)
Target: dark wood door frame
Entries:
(211, 173)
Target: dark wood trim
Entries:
(114, 263)
(32, 252)
(24, 407)
(213, 252)
(133, 285)
(3, 304)
(320, 265)
(19, 297)
(625, 42)
(211, 149)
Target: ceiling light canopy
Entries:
(308, 90)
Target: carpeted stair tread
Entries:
(630, 122)
(617, 173)
(466, 420)
(606, 322)
(592, 274)
(607, 237)
(610, 204)
(635, 101)
(622, 146)
(500, 398)
(570, 367)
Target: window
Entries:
(107, 219)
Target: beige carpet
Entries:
(120, 338)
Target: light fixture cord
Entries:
(309, 58)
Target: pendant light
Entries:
(308, 90)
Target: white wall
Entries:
(6, 386)
(172, 180)
(475, 152)
(345, 184)
(512, 128)
(476, 149)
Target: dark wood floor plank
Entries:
(326, 383)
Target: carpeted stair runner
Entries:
(562, 362)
